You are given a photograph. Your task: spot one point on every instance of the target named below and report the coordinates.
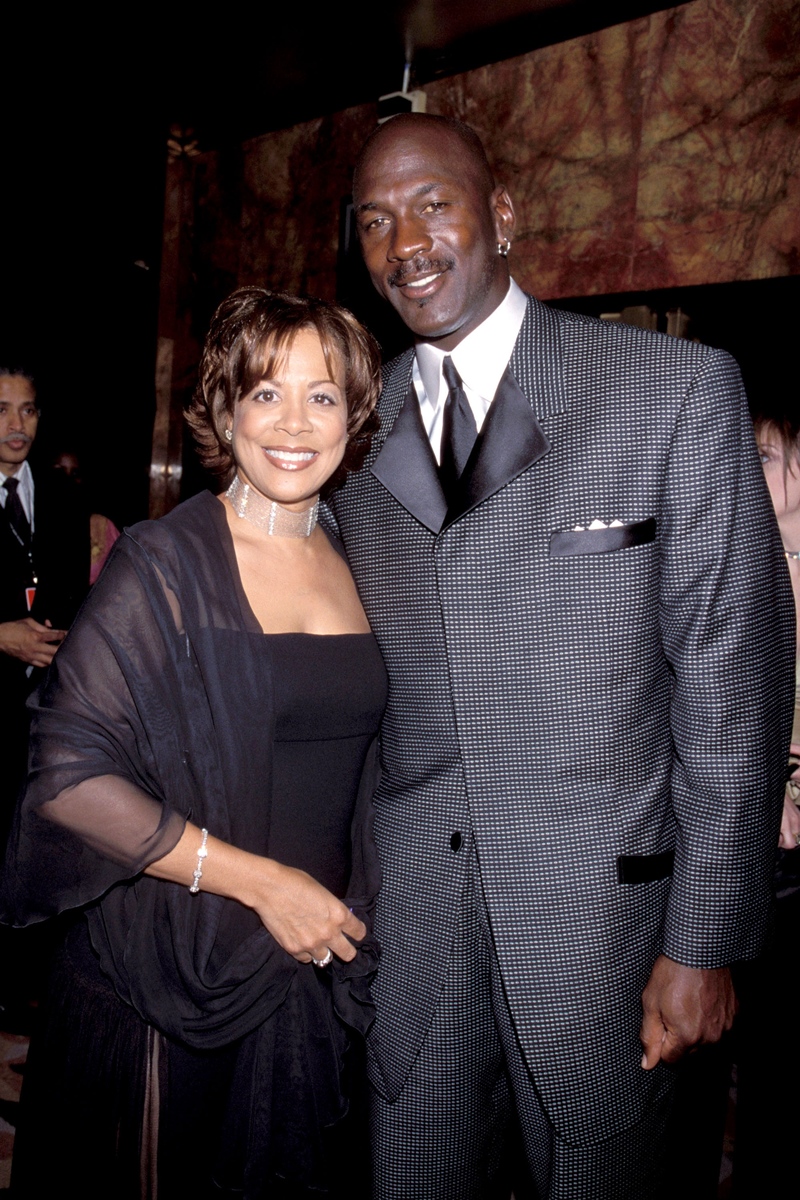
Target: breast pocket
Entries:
(568, 543)
(603, 617)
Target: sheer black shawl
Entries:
(152, 714)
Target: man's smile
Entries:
(414, 278)
(417, 283)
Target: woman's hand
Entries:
(304, 917)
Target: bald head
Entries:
(412, 125)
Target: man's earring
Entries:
(228, 435)
(503, 248)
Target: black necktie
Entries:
(459, 430)
(16, 514)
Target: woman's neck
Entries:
(268, 515)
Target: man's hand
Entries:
(790, 821)
(30, 642)
(790, 825)
(684, 1007)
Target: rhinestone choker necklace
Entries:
(268, 514)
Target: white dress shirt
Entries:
(480, 360)
(24, 478)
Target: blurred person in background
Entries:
(102, 530)
(764, 1160)
(44, 571)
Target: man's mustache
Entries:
(16, 437)
(419, 266)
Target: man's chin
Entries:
(423, 320)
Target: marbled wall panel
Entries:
(719, 163)
(659, 153)
(294, 181)
(216, 234)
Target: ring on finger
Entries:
(323, 962)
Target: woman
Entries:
(766, 1094)
(778, 437)
(201, 770)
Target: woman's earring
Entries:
(228, 435)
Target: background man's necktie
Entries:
(16, 513)
(459, 430)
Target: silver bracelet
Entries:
(197, 875)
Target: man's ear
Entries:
(505, 218)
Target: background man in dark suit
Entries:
(564, 545)
(44, 571)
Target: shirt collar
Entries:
(23, 476)
(483, 355)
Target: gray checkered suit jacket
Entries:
(576, 703)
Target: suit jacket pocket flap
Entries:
(645, 868)
(565, 543)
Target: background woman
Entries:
(201, 770)
(764, 1161)
(778, 437)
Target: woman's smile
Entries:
(290, 460)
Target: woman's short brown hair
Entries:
(250, 332)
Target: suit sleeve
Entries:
(727, 627)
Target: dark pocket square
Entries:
(567, 542)
(645, 868)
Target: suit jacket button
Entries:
(456, 841)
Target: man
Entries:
(44, 570)
(563, 543)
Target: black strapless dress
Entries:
(330, 693)
(239, 1121)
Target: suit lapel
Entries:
(510, 442)
(405, 464)
(531, 389)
